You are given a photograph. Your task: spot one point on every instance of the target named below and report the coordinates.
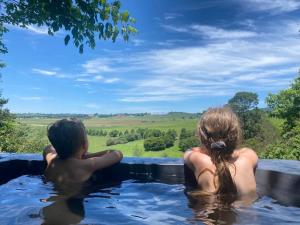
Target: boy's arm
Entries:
(96, 154)
(109, 158)
(49, 153)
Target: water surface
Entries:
(29, 200)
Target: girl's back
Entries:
(217, 165)
(241, 167)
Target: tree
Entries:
(184, 133)
(188, 142)
(114, 133)
(286, 104)
(172, 133)
(169, 141)
(154, 144)
(6, 126)
(244, 104)
(84, 21)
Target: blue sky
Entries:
(188, 56)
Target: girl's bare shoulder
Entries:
(198, 156)
(246, 154)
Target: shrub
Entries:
(154, 144)
(24, 139)
(169, 141)
(96, 132)
(288, 148)
(189, 142)
(186, 133)
(114, 133)
(153, 133)
(116, 141)
(172, 133)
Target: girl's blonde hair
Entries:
(219, 131)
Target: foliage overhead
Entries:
(84, 21)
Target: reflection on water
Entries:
(28, 200)
(64, 211)
(217, 209)
(67, 207)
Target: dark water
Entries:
(28, 200)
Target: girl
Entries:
(219, 167)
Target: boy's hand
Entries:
(48, 150)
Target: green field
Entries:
(122, 123)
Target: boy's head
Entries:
(219, 128)
(68, 137)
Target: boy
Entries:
(67, 159)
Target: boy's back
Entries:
(68, 163)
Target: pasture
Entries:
(123, 123)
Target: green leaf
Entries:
(67, 39)
(81, 49)
(125, 16)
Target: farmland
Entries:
(123, 123)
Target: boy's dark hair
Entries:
(67, 136)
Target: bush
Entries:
(141, 132)
(186, 133)
(189, 142)
(154, 144)
(169, 141)
(24, 139)
(153, 133)
(132, 137)
(172, 133)
(96, 132)
(288, 148)
(114, 133)
(116, 141)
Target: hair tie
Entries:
(219, 145)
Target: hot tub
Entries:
(142, 191)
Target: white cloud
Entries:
(31, 98)
(150, 99)
(138, 42)
(219, 33)
(38, 30)
(275, 6)
(211, 32)
(98, 77)
(92, 106)
(171, 16)
(265, 63)
(98, 66)
(44, 72)
(111, 80)
(36, 88)
(52, 73)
